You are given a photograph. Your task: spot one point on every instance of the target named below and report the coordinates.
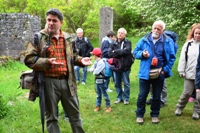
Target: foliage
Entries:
(81, 14)
(135, 16)
(178, 15)
(128, 18)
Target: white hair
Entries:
(124, 30)
(160, 22)
(79, 30)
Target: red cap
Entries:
(96, 51)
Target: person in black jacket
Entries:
(83, 47)
(121, 49)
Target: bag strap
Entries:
(186, 52)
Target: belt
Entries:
(60, 77)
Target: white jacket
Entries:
(188, 69)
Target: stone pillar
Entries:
(106, 22)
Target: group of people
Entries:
(60, 61)
(119, 48)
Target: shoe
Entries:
(108, 109)
(77, 82)
(178, 112)
(126, 102)
(195, 116)
(109, 90)
(191, 99)
(66, 119)
(148, 102)
(118, 101)
(155, 120)
(162, 104)
(83, 83)
(97, 109)
(140, 121)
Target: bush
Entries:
(3, 107)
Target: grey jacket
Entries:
(188, 68)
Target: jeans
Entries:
(157, 85)
(163, 93)
(119, 77)
(101, 90)
(84, 74)
(107, 83)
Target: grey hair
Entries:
(125, 32)
(160, 22)
(79, 30)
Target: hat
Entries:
(96, 51)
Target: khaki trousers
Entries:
(183, 100)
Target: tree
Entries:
(177, 14)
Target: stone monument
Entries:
(106, 22)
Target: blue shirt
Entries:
(158, 50)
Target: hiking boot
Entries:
(148, 102)
(97, 108)
(140, 121)
(155, 120)
(108, 109)
(66, 119)
(178, 112)
(126, 102)
(162, 104)
(195, 116)
(109, 90)
(118, 101)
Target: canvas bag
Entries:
(154, 73)
(26, 79)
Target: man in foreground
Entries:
(52, 55)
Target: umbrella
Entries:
(41, 98)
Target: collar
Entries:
(120, 41)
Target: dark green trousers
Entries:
(57, 90)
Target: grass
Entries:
(23, 116)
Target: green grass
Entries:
(23, 116)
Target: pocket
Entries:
(100, 81)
